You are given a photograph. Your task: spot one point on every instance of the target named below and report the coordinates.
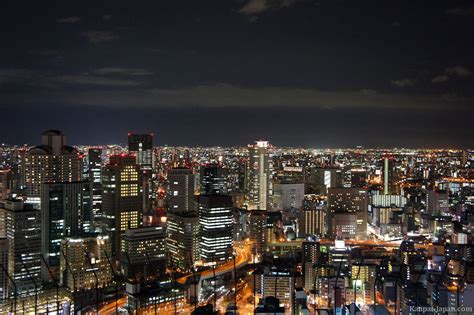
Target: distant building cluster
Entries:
(257, 229)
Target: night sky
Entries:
(323, 73)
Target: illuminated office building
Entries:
(215, 228)
(348, 200)
(141, 145)
(312, 217)
(21, 226)
(79, 272)
(181, 190)
(66, 210)
(121, 197)
(95, 175)
(182, 239)
(51, 162)
(258, 183)
(145, 249)
(257, 226)
(4, 261)
(389, 185)
(213, 180)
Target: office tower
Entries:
(51, 162)
(347, 222)
(66, 210)
(310, 260)
(215, 228)
(257, 226)
(258, 183)
(21, 226)
(287, 196)
(121, 197)
(141, 145)
(144, 248)
(348, 200)
(86, 257)
(322, 178)
(4, 262)
(183, 221)
(5, 184)
(181, 190)
(358, 178)
(437, 202)
(312, 217)
(95, 176)
(389, 186)
(278, 283)
(213, 180)
(182, 239)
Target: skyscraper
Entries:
(312, 217)
(258, 184)
(66, 210)
(389, 187)
(348, 200)
(52, 161)
(95, 175)
(215, 227)
(141, 145)
(21, 225)
(183, 222)
(121, 197)
(85, 269)
(258, 230)
(181, 190)
(213, 180)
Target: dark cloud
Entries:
(403, 82)
(69, 19)
(463, 11)
(123, 71)
(97, 37)
(254, 7)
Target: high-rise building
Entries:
(215, 228)
(181, 190)
(389, 187)
(349, 200)
(121, 197)
(5, 184)
(257, 226)
(141, 145)
(287, 196)
(183, 221)
(85, 268)
(258, 183)
(312, 217)
(21, 226)
(213, 180)
(95, 176)
(322, 178)
(182, 241)
(278, 283)
(437, 202)
(51, 162)
(66, 210)
(4, 261)
(144, 248)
